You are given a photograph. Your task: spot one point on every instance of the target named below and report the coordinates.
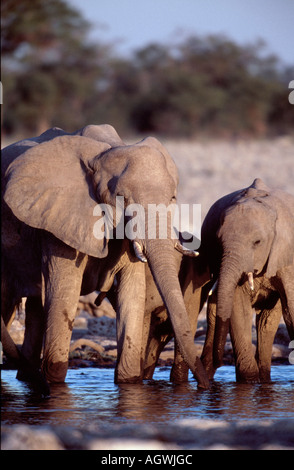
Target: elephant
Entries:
(61, 192)
(248, 239)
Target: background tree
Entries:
(53, 75)
(49, 69)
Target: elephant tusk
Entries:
(185, 251)
(214, 287)
(250, 281)
(139, 252)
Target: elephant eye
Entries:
(257, 242)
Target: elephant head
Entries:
(256, 236)
(70, 185)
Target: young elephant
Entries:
(248, 238)
(58, 242)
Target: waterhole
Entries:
(90, 396)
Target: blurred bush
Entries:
(53, 75)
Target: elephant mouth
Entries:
(139, 250)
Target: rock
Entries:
(89, 299)
(280, 351)
(87, 303)
(102, 326)
(129, 444)
(192, 434)
(23, 437)
(81, 322)
(79, 343)
(17, 331)
(105, 309)
(282, 335)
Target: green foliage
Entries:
(53, 75)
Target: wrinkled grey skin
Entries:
(252, 231)
(194, 280)
(51, 256)
(195, 283)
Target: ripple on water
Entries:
(90, 396)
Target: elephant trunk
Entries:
(230, 274)
(160, 254)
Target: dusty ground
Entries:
(210, 169)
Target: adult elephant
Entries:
(248, 237)
(58, 196)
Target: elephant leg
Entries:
(287, 279)
(62, 269)
(155, 347)
(193, 297)
(9, 300)
(130, 322)
(207, 353)
(34, 332)
(241, 334)
(267, 322)
(160, 333)
(180, 370)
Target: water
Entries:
(90, 396)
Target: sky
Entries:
(132, 24)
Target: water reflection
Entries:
(90, 396)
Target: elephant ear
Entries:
(282, 249)
(50, 187)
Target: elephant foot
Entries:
(179, 373)
(36, 379)
(200, 375)
(127, 380)
(125, 372)
(248, 381)
(148, 373)
(210, 371)
(247, 378)
(55, 372)
(247, 371)
(264, 375)
(207, 361)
